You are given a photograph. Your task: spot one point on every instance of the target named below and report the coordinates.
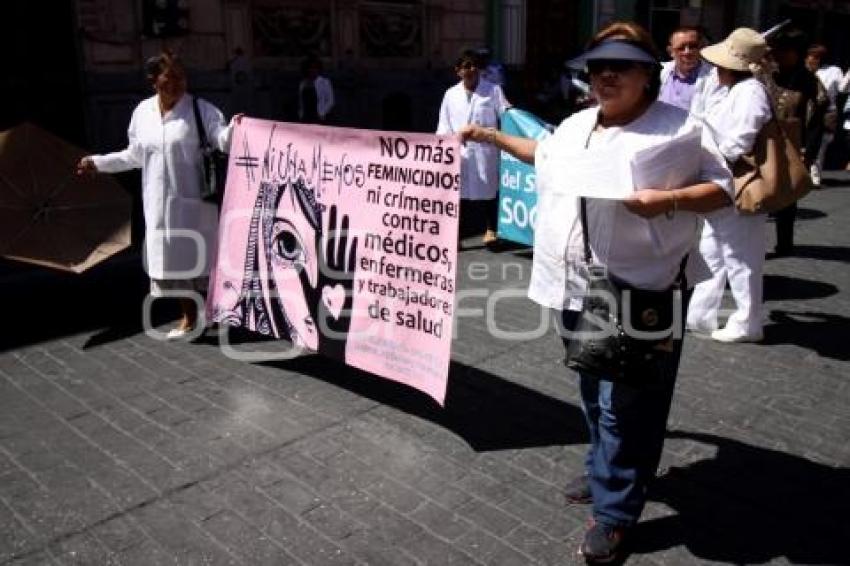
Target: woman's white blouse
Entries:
(644, 252)
(180, 228)
(736, 119)
(479, 166)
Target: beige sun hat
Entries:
(744, 47)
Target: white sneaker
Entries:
(814, 171)
(728, 336)
(178, 333)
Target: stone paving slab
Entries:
(119, 449)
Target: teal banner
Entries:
(517, 180)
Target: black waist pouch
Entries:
(621, 329)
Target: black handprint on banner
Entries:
(331, 299)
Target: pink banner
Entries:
(345, 242)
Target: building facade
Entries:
(389, 60)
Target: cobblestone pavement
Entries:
(119, 449)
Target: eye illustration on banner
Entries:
(285, 226)
(298, 277)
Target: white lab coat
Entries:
(180, 228)
(479, 166)
(733, 244)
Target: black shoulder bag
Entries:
(621, 329)
(214, 162)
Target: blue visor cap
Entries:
(612, 49)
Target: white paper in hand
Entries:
(598, 172)
(670, 165)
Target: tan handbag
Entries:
(773, 175)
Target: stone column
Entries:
(514, 23)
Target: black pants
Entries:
(785, 228)
(476, 216)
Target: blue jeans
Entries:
(626, 424)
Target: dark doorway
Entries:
(41, 81)
(553, 36)
(397, 113)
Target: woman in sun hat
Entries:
(641, 240)
(733, 244)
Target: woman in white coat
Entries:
(478, 102)
(180, 228)
(733, 244)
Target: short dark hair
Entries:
(686, 29)
(818, 50)
(636, 35)
(485, 54)
(470, 55)
(158, 64)
(790, 39)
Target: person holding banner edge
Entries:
(180, 228)
(474, 100)
(626, 421)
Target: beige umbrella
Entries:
(50, 216)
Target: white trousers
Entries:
(733, 246)
(824, 144)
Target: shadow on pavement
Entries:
(486, 411)
(835, 178)
(42, 304)
(810, 214)
(828, 253)
(497, 246)
(751, 505)
(820, 332)
(505, 246)
(784, 288)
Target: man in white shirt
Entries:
(474, 100)
(685, 77)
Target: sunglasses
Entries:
(597, 66)
(691, 46)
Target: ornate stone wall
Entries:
(389, 60)
(375, 34)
